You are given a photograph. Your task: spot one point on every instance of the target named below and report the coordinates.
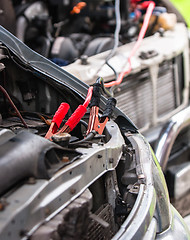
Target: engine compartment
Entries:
(63, 183)
(47, 178)
(68, 30)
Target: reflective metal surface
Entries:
(168, 135)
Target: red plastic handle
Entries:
(60, 114)
(76, 117)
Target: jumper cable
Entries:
(72, 121)
(95, 124)
(150, 7)
(77, 115)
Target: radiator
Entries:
(146, 105)
(135, 94)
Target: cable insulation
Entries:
(136, 46)
(88, 97)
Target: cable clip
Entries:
(96, 124)
(57, 119)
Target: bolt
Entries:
(2, 66)
(111, 160)
(23, 233)
(84, 59)
(47, 211)
(31, 180)
(118, 89)
(61, 138)
(3, 204)
(72, 191)
(161, 32)
(124, 148)
(128, 134)
(65, 159)
(141, 176)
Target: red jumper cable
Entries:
(150, 7)
(77, 115)
(57, 119)
(72, 121)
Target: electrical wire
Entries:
(89, 137)
(136, 46)
(13, 105)
(116, 38)
(117, 30)
(111, 90)
(101, 81)
(88, 97)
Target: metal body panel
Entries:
(169, 134)
(177, 230)
(142, 213)
(180, 179)
(44, 199)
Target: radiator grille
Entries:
(137, 102)
(96, 231)
(165, 95)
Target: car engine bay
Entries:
(44, 176)
(72, 165)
